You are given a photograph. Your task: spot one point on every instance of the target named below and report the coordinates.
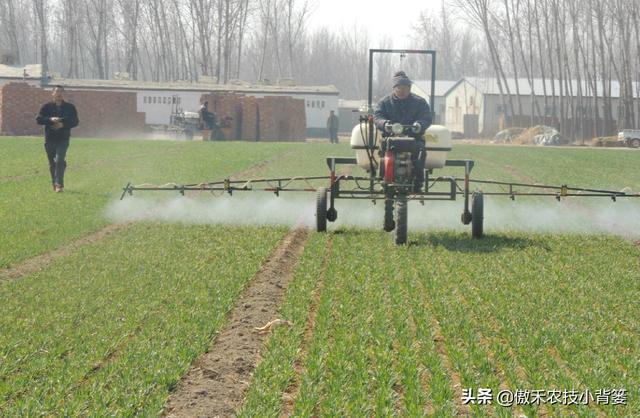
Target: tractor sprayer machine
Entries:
(388, 157)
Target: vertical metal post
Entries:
(433, 87)
(466, 187)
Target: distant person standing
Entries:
(58, 118)
(208, 118)
(332, 126)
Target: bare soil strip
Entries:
(462, 409)
(456, 382)
(521, 373)
(485, 344)
(293, 390)
(216, 383)
(39, 262)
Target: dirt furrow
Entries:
(293, 390)
(462, 409)
(41, 261)
(216, 383)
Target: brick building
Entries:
(155, 100)
(101, 113)
(124, 107)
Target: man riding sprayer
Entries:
(406, 108)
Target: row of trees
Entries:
(160, 40)
(593, 42)
(576, 48)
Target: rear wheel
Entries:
(389, 223)
(401, 220)
(477, 215)
(321, 210)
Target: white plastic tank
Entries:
(438, 142)
(359, 138)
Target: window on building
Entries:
(154, 100)
(179, 99)
(499, 109)
(323, 104)
(144, 99)
(313, 103)
(457, 102)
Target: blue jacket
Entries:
(412, 109)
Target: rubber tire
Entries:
(401, 220)
(389, 223)
(477, 215)
(321, 210)
(634, 143)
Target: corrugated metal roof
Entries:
(490, 86)
(31, 71)
(188, 86)
(441, 86)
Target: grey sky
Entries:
(380, 17)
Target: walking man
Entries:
(58, 118)
(332, 126)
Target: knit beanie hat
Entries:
(401, 79)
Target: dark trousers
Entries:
(56, 153)
(333, 136)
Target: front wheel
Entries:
(401, 220)
(477, 215)
(389, 223)
(635, 143)
(321, 210)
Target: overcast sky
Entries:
(380, 17)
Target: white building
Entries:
(422, 88)
(31, 74)
(473, 104)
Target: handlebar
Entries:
(398, 128)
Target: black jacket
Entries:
(412, 109)
(66, 111)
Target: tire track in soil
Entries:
(248, 172)
(292, 392)
(462, 409)
(216, 383)
(485, 344)
(425, 376)
(39, 262)
(564, 367)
